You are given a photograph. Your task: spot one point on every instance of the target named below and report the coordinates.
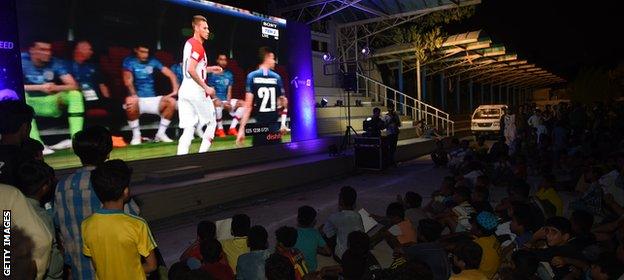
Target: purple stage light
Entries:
(303, 118)
(11, 85)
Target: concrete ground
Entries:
(375, 192)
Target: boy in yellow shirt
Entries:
(466, 257)
(237, 246)
(116, 241)
(483, 227)
(546, 191)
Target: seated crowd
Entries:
(561, 217)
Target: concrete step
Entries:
(333, 112)
(192, 197)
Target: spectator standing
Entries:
(15, 119)
(36, 180)
(113, 240)
(24, 216)
(393, 125)
(75, 198)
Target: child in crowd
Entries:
(443, 198)
(413, 210)
(466, 259)
(591, 194)
(33, 149)
(557, 232)
(483, 226)
(211, 254)
(481, 149)
(440, 156)
(116, 241)
(251, 265)
(340, 224)
(546, 191)
(278, 267)
(206, 230)
(523, 266)
(309, 240)
(357, 262)
(521, 224)
(582, 223)
(36, 181)
(480, 199)
(400, 232)
(235, 247)
(484, 182)
(458, 219)
(605, 268)
(286, 238)
(429, 250)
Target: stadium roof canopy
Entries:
(359, 23)
(359, 11)
(471, 56)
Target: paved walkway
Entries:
(375, 192)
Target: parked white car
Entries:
(486, 119)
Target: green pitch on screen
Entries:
(67, 159)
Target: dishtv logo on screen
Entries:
(270, 30)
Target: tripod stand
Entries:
(346, 138)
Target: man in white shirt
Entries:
(20, 213)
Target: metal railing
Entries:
(406, 105)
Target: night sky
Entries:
(560, 36)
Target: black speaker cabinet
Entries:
(371, 153)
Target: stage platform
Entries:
(190, 185)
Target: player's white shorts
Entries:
(149, 105)
(194, 107)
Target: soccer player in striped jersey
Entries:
(195, 104)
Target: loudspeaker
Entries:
(349, 81)
(370, 153)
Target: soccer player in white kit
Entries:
(195, 106)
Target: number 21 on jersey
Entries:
(267, 94)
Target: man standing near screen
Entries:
(138, 78)
(222, 83)
(195, 105)
(265, 95)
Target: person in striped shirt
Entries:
(75, 199)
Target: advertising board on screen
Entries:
(10, 82)
(130, 65)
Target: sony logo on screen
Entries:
(269, 24)
(6, 45)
